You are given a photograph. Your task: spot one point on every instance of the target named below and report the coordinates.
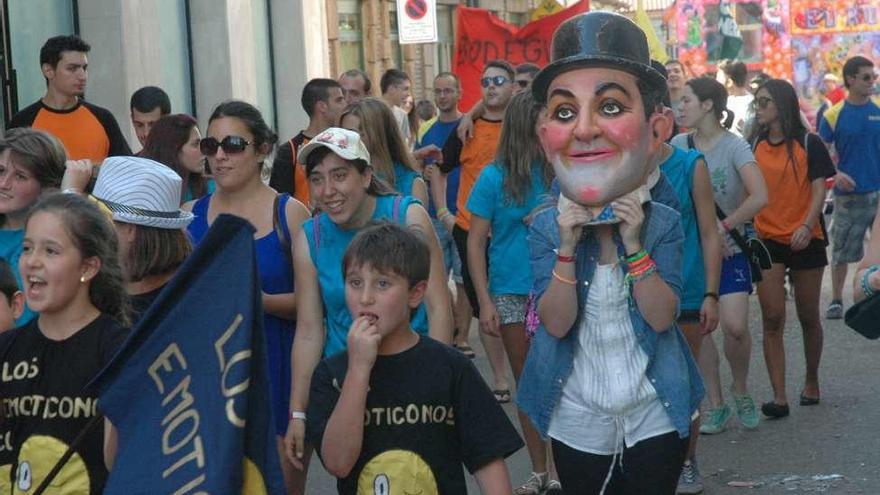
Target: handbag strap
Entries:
(737, 237)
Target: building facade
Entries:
(205, 51)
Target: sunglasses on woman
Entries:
(230, 145)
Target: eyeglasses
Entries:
(230, 145)
(522, 83)
(763, 101)
(494, 81)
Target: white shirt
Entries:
(740, 105)
(607, 400)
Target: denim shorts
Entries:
(451, 260)
(511, 308)
(736, 276)
(853, 216)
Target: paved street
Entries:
(831, 448)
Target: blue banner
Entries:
(188, 391)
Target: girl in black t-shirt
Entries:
(73, 280)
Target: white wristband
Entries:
(297, 415)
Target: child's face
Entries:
(53, 270)
(385, 298)
(10, 310)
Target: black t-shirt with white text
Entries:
(428, 411)
(45, 406)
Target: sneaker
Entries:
(533, 486)
(553, 488)
(834, 311)
(690, 481)
(716, 420)
(746, 412)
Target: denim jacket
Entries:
(671, 367)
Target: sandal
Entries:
(502, 396)
(466, 350)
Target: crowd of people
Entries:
(650, 205)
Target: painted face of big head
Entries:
(596, 135)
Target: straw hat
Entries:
(141, 191)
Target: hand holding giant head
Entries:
(604, 118)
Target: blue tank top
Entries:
(327, 245)
(679, 170)
(276, 277)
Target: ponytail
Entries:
(729, 117)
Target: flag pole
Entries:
(68, 453)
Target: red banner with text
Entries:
(482, 37)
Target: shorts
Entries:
(450, 253)
(511, 308)
(853, 216)
(736, 276)
(808, 258)
(689, 316)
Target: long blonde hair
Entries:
(519, 148)
(382, 136)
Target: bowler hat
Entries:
(598, 39)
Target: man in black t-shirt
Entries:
(399, 412)
(323, 102)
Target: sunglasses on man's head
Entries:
(495, 81)
(230, 144)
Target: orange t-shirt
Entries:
(472, 157)
(86, 130)
(789, 186)
(301, 185)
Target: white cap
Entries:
(345, 143)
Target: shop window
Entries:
(747, 16)
(351, 47)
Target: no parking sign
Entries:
(417, 21)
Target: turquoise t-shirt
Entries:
(327, 245)
(509, 271)
(679, 170)
(10, 251)
(188, 194)
(403, 179)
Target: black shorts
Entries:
(689, 316)
(808, 258)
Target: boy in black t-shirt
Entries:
(399, 413)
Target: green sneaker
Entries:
(716, 420)
(746, 412)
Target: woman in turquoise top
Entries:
(349, 197)
(688, 174)
(391, 159)
(31, 161)
(174, 141)
(502, 201)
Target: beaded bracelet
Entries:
(866, 283)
